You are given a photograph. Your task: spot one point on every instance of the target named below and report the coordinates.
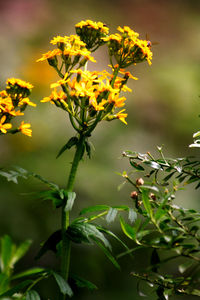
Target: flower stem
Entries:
(65, 222)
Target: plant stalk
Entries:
(65, 222)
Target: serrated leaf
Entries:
(83, 283)
(32, 295)
(111, 215)
(63, 285)
(70, 201)
(72, 142)
(94, 208)
(85, 232)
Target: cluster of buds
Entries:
(90, 97)
(13, 101)
(127, 48)
(92, 33)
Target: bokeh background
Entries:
(162, 110)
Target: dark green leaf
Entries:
(83, 283)
(108, 254)
(16, 288)
(72, 142)
(32, 295)
(50, 244)
(63, 285)
(136, 165)
(70, 201)
(168, 176)
(111, 215)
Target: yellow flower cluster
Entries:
(92, 33)
(70, 49)
(92, 96)
(127, 48)
(13, 101)
(85, 93)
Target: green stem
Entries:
(66, 245)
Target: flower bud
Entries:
(134, 195)
(139, 181)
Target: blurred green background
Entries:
(162, 109)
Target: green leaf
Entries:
(83, 283)
(72, 142)
(108, 254)
(136, 165)
(63, 285)
(30, 272)
(127, 229)
(70, 201)
(21, 251)
(4, 282)
(16, 288)
(94, 208)
(183, 267)
(168, 176)
(111, 215)
(50, 244)
(146, 202)
(7, 248)
(85, 232)
(32, 295)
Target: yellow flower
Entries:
(4, 126)
(94, 25)
(121, 116)
(26, 101)
(50, 55)
(19, 82)
(25, 128)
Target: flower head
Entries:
(25, 128)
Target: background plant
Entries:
(169, 231)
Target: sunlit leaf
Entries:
(32, 295)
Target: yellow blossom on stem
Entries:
(25, 128)
(4, 126)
